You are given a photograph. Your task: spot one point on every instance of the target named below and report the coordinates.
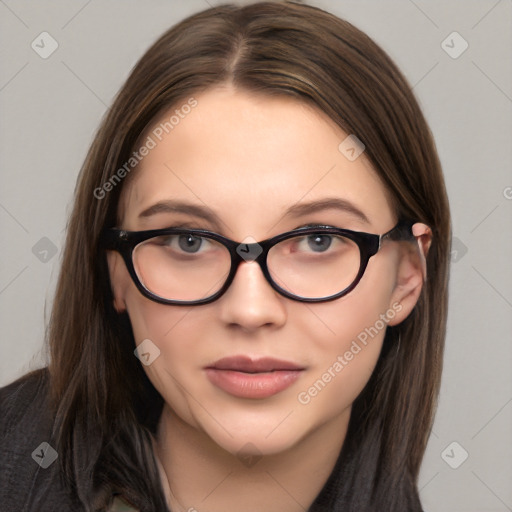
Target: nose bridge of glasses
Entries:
(249, 251)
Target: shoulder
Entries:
(20, 403)
(29, 475)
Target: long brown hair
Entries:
(105, 408)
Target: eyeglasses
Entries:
(194, 266)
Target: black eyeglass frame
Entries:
(369, 244)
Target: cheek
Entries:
(173, 353)
(176, 335)
(161, 325)
(332, 326)
(175, 330)
(345, 339)
(150, 319)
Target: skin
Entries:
(249, 158)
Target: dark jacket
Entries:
(30, 477)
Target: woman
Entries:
(252, 304)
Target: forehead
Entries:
(249, 157)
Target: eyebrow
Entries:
(332, 203)
(173, 206)
(297, 210)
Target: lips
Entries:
(247, 365)
(244, 377)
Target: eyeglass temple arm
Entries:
(402, 231)
(111, 238)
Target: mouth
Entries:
(243, 377)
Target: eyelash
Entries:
(316, 225)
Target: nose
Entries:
(250, 302)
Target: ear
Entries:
(411, 272)
(117, 279)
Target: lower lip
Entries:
(252, 385)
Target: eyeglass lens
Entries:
(187, 267)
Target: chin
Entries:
(256, 445)
(257, 435)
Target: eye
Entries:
(186, 243)
(318, 242)
(190, 243)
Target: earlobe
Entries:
(115, 268)
(119, 304)
(411, 272)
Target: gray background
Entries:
(51, 108)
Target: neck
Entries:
(200, 476)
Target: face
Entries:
(247, 159)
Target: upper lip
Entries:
(248, 365)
